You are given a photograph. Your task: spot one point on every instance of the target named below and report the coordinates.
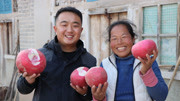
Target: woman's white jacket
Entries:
(140, 91)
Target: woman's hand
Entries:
(147, 63)
(99, 92)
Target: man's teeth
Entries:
(69, 36)
(121, 48)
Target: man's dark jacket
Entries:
(54, 82)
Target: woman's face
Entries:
(121, 41)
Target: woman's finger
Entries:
(105, 87)
(99, 88)
(93, 89)
(141, 60)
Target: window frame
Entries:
(159, 34)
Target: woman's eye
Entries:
(114, 39)
(124, 37)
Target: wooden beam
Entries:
(158, 31)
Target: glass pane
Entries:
(168, 51)
(150, 20)
(5, 6)
(169, 19)
(154, 39)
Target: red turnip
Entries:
(95, 76)
(143, 47)
(78, 76)
(31, 61)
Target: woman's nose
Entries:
(119, 40)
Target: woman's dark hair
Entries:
(126, 23)
(69, 9)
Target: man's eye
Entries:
(75, 25)
(64, 25)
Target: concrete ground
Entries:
(27, 97)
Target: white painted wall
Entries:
(42, 22)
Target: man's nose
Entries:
(69, 28)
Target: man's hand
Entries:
(99, 92)
(30, 78)
(147, 64)
(80, 90)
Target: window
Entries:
(160, 23)
(60, 2)
(90, 0)
(5, 6)
(6, 37)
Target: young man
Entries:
(63, 54)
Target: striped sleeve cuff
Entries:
(149, 78)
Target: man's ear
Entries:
(81, 29)
(55, 28)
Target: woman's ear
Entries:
(133, 40)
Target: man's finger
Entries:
(73, 86)
(78, 88)
(33, 76)
(85, 87)
(24, 74)
(38, 75)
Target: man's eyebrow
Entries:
(63, 22)
(76, 22)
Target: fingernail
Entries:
(151, 56)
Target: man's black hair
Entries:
(69, 9)
(126, 23)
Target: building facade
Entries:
(32, 21)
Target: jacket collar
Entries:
(54, 45)
(112, 58)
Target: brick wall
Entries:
(26, 23)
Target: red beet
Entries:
(78, 76)
(31, 61)
(143, 47)
(95, 76)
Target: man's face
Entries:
(68, 29)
